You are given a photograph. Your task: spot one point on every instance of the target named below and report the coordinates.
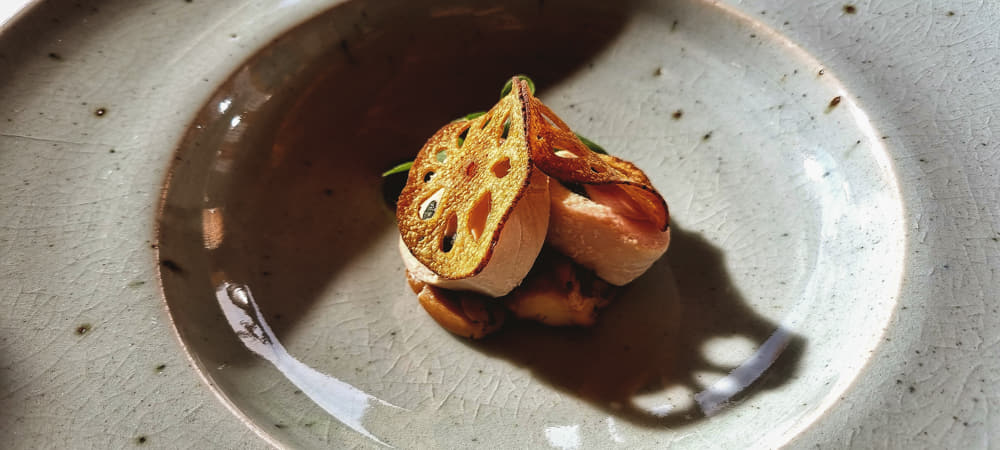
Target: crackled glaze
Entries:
(787, 203)
(96, 98)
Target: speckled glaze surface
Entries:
(832, 171)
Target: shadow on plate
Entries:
(646, 357)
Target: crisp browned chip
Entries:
(462, 313)
(558, 292)
(556, 150)
(462, 188)
(415, 284)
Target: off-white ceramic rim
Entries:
(922, 73)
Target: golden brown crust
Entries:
(415, 284)
(462, 313)
(559, 292)
(548, 134)
(473, 191)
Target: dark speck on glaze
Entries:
(850, 9)
(833, 103)
(83, 329)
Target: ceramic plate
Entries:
(199, 249)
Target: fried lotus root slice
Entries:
(556, 150)
(463, 313)
(462, 188)
(522, 237)
(558, 292)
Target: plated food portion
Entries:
(491, 192)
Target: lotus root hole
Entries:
(501, 168)
(506, 127)
(479, 213)
(551, 122)
(430, 206)
(451, 226)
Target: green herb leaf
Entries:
(440, 156)
(470, 116)
(474, 115)
(404, 167)
(592, 145)
(508, 86)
